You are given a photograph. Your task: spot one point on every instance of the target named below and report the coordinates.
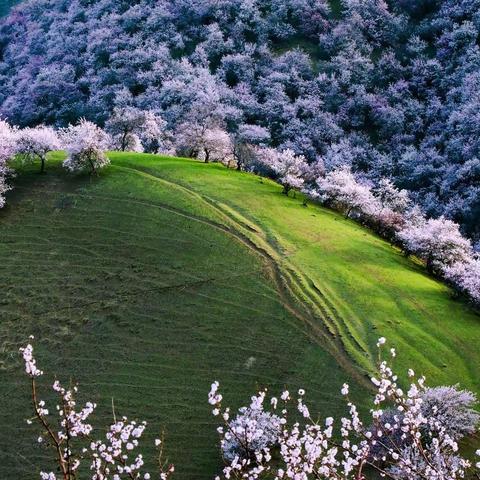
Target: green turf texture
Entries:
(161, 275)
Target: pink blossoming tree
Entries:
(437, 241)
(416, 443)
(8, 141)
(341, 188)
(86, 144)
(34, 144)
(114, 457)
(289, 169)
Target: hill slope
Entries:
(164, 274)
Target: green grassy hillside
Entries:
(164, 274)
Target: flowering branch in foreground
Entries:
(110, 459)
(402, 440)
(411, 435)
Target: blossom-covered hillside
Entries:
(390, 88)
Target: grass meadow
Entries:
(163, 274)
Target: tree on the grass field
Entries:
(131, 127)
(340, 187)
(86, 145)
(65, 428)
(8, 142)
(465, 277)
(411, 434)
(34, 144)
(244, 142)
(437, 241)
(288, 168)
(217, 146)
(391, 197)
(205, 141)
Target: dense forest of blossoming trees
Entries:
(389, 89)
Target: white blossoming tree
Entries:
(114, 457)
(341, 188)
(204, 141)
(413, 442)
(465, 276)
(453, 408)
(86, 144)
(8, 141)
(289, 169)
(34, 144)
(437, 241)
(251, 431)
(133, 129)
(390, 197)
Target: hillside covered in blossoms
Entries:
(390, 88)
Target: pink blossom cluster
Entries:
(109, 459)
(112, 456)
(410, 445)
(288, 168)
(86, 144)
(30, 362)
(8, 142)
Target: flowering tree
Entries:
(437, 241)
(217, 146)
(408, 444)
(340, 187)
(8, 141)
(453, 409)
(86, 145)
(34, 144)
(128, 126)
(112, 458)
(390, 197)
(245, 140)
(154, 136)
(204, 141)
(252, 430)
(288, 168)
(465, 276)
(412, 434)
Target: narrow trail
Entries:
(298, 293)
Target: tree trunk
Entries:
(429, 265)
(42, 167)
(124, 140)
(207, 156)
(286, 190)
(92, 166)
